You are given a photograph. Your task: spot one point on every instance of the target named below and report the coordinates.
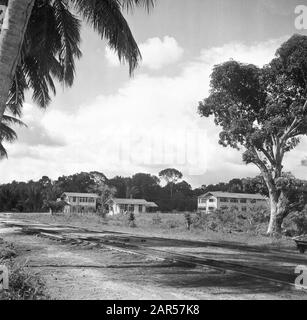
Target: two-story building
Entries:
(212, 201)
(79, 202)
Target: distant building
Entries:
(212, 201)
(79, 202)
(117, 206)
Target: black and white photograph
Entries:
(153, 150)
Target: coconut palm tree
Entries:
(39, 43)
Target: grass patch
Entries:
(228, 227)
(23, 285)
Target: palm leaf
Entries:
(68, 27)
(106, 18)
(130, 4)
(6, 133)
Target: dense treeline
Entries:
(175, 195)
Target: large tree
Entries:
(39, 42)
(263, 111)
(171, 176)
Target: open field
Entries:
(171, 225)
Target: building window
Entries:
(234, 200)
(211, 200)
(244, 209)
(140, 208)
(211, 208)
(131, 208)
(203, 201)
(74, 199)
(253, 201)
(243, 201)
(223, 200)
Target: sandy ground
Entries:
(76, 272)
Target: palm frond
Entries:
(68, 27)
(3, 152)
(12, 120)
(6, 133)
(131, 4)
(106, 18)
(16, 94)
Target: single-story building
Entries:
(117, 206)
(212, 201)
(79, 202)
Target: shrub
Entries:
(188, 220)
(23, 285)
(296, 223)
(131, 220)
(232, 220)
(156, 219)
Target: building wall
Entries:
(211, 204)
(120, 208)
(80, 204)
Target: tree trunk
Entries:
(11, 39)
(279, 211)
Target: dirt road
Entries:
(88, 272)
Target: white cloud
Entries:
(156, 53)
(150, 123)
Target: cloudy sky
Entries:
(118, 125)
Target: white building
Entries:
(80, 202)
(213, 201)
(117, 206)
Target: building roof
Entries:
(152, 205)
(220, 194)
(83, 195)
(134, 201)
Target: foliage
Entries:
(131, 219)
(296, 223)
(233, 220)
(34, 196)
(188, 220)
(51, 46)
(7, 134)
(170, 175)
(22, 284)
(263, 111)
(55, 206)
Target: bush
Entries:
(188, 220)
(131, 220)
(156, 219)
(296, 223)
(232, 220)
(23, 285)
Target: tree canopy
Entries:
(262, 111)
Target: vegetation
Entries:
(23, 285)
(42, 195)
(42, 42)
(263, 111)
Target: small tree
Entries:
(264, 112)
(171, 176)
